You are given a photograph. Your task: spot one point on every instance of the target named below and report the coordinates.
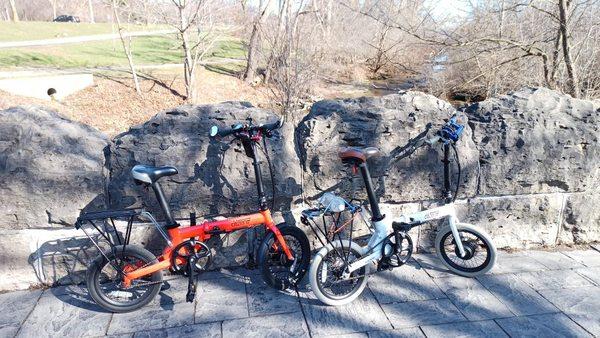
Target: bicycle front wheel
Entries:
(105, 279)
(277, 270)
(479, 250)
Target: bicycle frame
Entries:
(205, 231)
(384, 227)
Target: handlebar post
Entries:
(447, 194)
(259, 184)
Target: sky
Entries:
(445, 8)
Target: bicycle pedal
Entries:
(165, 286)
(190, 296)
(251, 265)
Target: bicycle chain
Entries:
(144, 283)
(148, 283)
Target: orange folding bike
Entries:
(126, 277)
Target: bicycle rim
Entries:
(478, 251)
(329, 273)
(109, 282)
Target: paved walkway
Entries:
(81, 38)
(536, 294)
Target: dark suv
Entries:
(66, 18)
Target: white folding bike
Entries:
(339, 271)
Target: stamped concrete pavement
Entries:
(528, 294)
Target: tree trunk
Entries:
(252, 62)
(188, 59)
(13, 8)
(146, 14)
(254, 44)
(271, 59)
(91, 8)
(573, 82)
(555, 55)
(188, 70)
(53, 4)
(126, 49)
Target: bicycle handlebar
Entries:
(265, 128)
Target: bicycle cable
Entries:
(459, 171)
(271, 174)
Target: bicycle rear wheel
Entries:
(326, 272)
(105, 279)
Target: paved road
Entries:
(535, 294)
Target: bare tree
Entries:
(13, 8)
(146, 10)
(504, 44)
(254, 43)
(293, 59)
(126, 43)
(91, 11)
(573, 83)
(194, 22)
(53, 4)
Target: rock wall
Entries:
(530, 172)
(50, 168)
(530, 161)
(539, 154)
(388, 123)
(215, 176)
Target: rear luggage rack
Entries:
(104, 223)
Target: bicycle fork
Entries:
(452, 221)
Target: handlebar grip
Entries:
(215, 131)
(270, 126)
(265, 128)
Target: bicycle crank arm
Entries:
(191, 293)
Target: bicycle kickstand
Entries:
(192, 283)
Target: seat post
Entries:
(364, 170)
(160, 196)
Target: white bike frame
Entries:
(384, 227)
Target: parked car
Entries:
(66, 18)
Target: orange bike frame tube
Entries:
(204, 231)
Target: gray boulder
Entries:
(215, 176)
(536, 140)
(581, 218)
(50, 168)
(388, 123)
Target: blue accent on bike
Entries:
(452, 130)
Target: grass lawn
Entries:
(39, 30)
(146, 50)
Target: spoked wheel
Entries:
(479, 251)
(278, 271)
(105, 279)
(326, 274)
